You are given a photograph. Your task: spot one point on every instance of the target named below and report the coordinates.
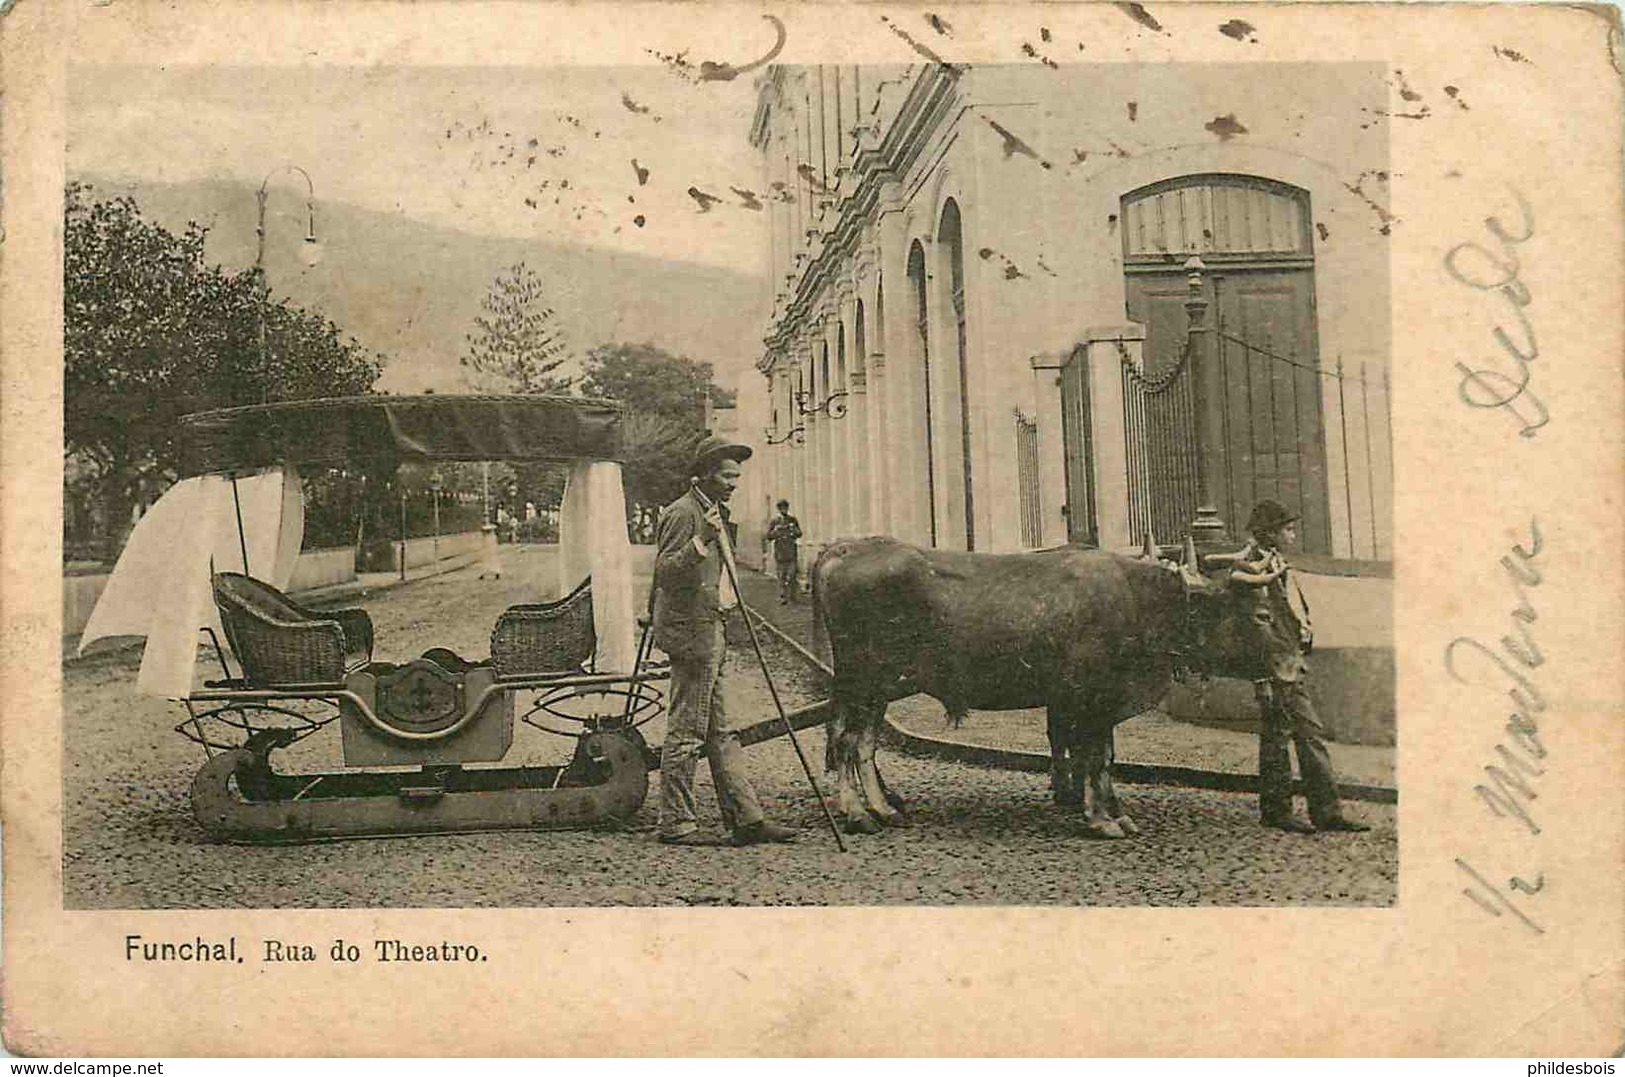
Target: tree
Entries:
(664, 395)
(651, 380)
(518, 345)
(151, 332)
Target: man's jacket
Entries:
(685, 596)
(784, 531)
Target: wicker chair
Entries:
(546, 637)
(279, 642)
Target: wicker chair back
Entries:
(546, 637)
(278, 642)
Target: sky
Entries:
(544, 152)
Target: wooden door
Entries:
(1271, 441)
(1269, 373)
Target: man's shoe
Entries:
(1341, 823)
(762, 833)
(688, 837)
(1290, 825)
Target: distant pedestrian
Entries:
(785, 533)
(1281, 618)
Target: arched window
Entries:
(860, 344)
(950, 234)
(880, 310)
(840, 359)
(916, 276)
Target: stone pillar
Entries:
(1052, 487)
(818, 434)
(832, 478)
(874, 432)
(861, 463)
(802, 497)
(1109, 451)
(784, 452)
(903, 454)
(856, 426)
(947, 453)
(848, 466)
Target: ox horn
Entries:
(1190, 569)
(1149, 550)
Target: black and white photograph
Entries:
(916, 462)
(999, 434)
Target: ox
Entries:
(1093, 637)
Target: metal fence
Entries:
(1317, 440)
(1366, 436)
(1346, 415)
(1032, 516)
(1159, 419)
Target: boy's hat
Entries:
(783, 504)
(715, 448)
(1269, 515)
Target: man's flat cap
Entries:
(715, 448)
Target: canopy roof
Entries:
(391, 430)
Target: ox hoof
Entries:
(864, 824)
(1109, 829)
(895, 820)
(1130, 828)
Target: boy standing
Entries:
(1283, 699)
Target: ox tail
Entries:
(825, 652)
(820, 630)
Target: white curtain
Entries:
(160, 587)
(593, 542)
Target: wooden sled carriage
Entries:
(418, 737)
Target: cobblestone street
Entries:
(980, 835)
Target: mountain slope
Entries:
(411, 291)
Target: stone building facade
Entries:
(980, 276)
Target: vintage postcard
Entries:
(1123, 499)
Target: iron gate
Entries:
(1159, 421)
(1032, 514)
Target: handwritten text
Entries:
(1509, 667)
(1504, 382)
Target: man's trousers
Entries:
(697, 722)
(788, 579)
(1287, 714)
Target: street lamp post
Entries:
(310, 253)
(1208, 529)
(436, 482)
(403, 533)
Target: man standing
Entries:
(785, 531)
(1283, 699)
(691, 598)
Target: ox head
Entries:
(1219, 633)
